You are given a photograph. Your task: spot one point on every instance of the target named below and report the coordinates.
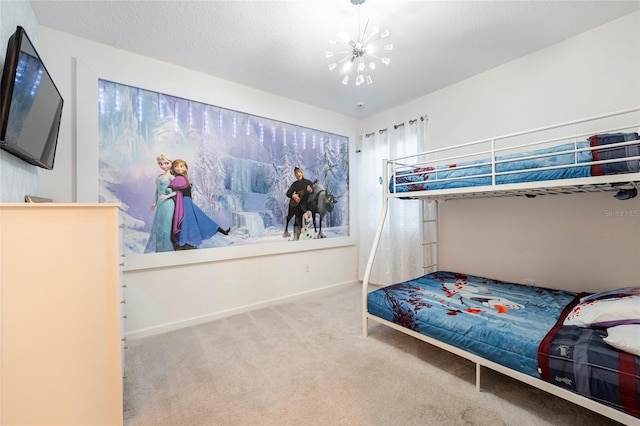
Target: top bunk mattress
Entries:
(499, 321)
(559, 162)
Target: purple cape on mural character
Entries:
(190, 225)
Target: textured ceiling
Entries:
(279, 46)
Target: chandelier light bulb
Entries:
(388, 46)
(332, 66)
(345, 80)
(329, 54)
(385, 61)
(359, 79)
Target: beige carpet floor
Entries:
(306, 363)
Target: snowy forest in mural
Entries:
(240, 165)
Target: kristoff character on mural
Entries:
(191, 225)
(299, 192)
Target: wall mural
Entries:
(194, 176)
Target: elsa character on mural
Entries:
(164, 206)
(191, 225)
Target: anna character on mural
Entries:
(191, 225)
(164, 206)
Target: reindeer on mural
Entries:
(321, 202)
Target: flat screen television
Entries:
(30, 104)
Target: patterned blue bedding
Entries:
(579, 360)
(500, 321)
(521, 167)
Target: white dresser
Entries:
(60, 314)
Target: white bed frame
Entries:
(579, 130)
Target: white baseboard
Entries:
(152, 331)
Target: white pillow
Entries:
(625, 338)
(605, 312)
(616, 292)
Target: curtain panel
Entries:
(399, 255)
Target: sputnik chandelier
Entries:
(358, 59)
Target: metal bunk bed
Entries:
(489, 153)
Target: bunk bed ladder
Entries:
(429, 232)
(374, 248)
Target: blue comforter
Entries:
(500, 321)
(565, 160)
(478, 172)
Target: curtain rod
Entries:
(397, 126)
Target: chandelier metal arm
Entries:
(361, 34)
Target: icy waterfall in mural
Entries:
(240, 166)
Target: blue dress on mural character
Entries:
(191, 225)
(160, 234)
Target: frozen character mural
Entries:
(164, 206)
(190, 225)
(241, 166)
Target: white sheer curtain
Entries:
(399, 255)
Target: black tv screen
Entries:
(31, 105)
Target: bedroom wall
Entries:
(202, 285)
(585, 242)
(18, 177)
(567, 80)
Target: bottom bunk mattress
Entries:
(499, 321)
(578, 359)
